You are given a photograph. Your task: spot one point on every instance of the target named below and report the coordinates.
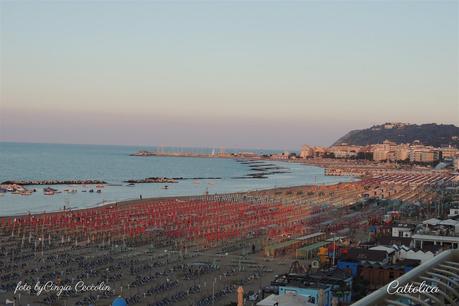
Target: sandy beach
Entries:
(172, 251)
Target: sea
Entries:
(113, 164)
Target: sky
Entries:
(223, 74)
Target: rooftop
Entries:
(359, 254)
(400, 265)
(284, 300)
(389, 241)
(436, 238)
(320, 279)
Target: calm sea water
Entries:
(114, 165)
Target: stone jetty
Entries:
(53, 182)
(152, 180)
(168, 180)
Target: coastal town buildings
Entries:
(306, 152)
(449, 152)
(387, 151)
(320, 151)
(424, 154)
(281, 156)
(343, 151)
(310, 152)
(384, 151)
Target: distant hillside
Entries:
(436, 135)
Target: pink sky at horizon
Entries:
(182, 131)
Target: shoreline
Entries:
(184, 197)
(129, 198)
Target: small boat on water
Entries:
(165, 187)
(26, 192)
(99, 191)
(91, 190)
(49, 189)
(130, 185)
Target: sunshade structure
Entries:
(431, 222)
(194, 221)
(449, 222)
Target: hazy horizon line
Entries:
(217, 147)
(145, 145)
